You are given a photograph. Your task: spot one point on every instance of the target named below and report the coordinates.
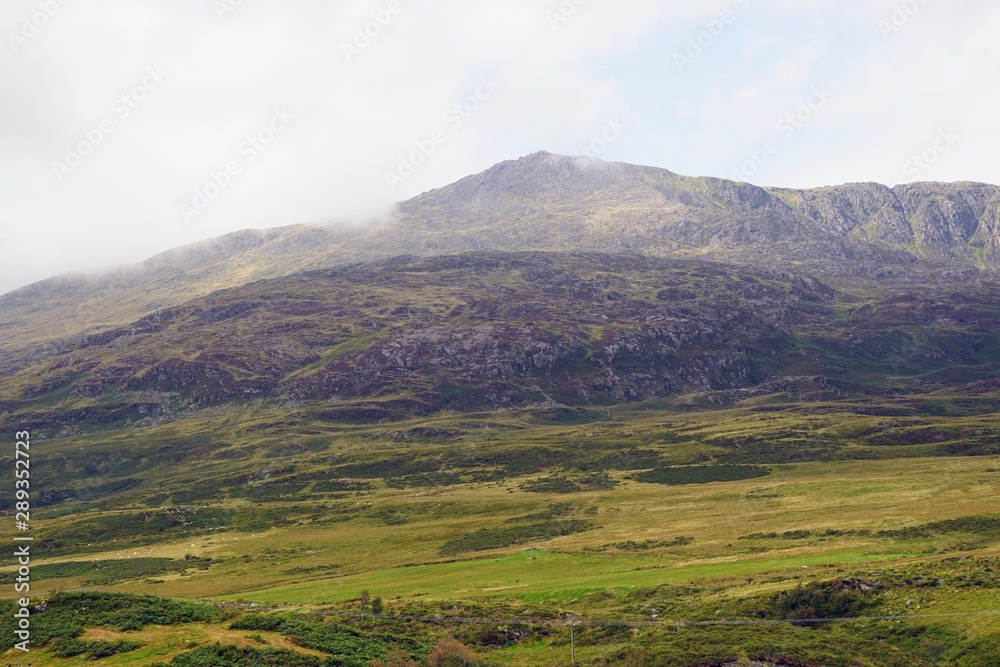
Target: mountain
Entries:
(546, 202)
(926, 232)
(82, 304)
(410, 336)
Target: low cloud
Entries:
(355, 118)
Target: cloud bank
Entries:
(131, 126)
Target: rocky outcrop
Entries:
(949, 220)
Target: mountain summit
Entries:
(551, 202)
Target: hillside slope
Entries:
(485, 331)
(916, 233)
(83, 304)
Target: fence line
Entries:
(459, 620)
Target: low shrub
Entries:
(485, 539)
(701, 474)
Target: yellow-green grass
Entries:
(816, 496)
(536, 575)
(160, 644)
(403, 563)
(813, 496)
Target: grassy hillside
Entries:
(411, 337)
(75, 305)
(642, 515)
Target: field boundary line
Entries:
(459, 620)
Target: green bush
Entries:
(701, 474)
(977, 525)
(485, 539)
(427, 480)
(339, 486)
(551, 512)
(118, 610)
(101, 573)
(258, 622)
(70, 648)
(551, 485)
(632, 545)
(233, 656)
(983, 652)
(65, 647)
(349, 647)
(823, 600)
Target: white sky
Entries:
(559, 84)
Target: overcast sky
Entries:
(128, 127)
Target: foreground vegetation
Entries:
(675, 537)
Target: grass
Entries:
(164, 643)
(373, 511)
(540, 575)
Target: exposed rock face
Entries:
(947, 219)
